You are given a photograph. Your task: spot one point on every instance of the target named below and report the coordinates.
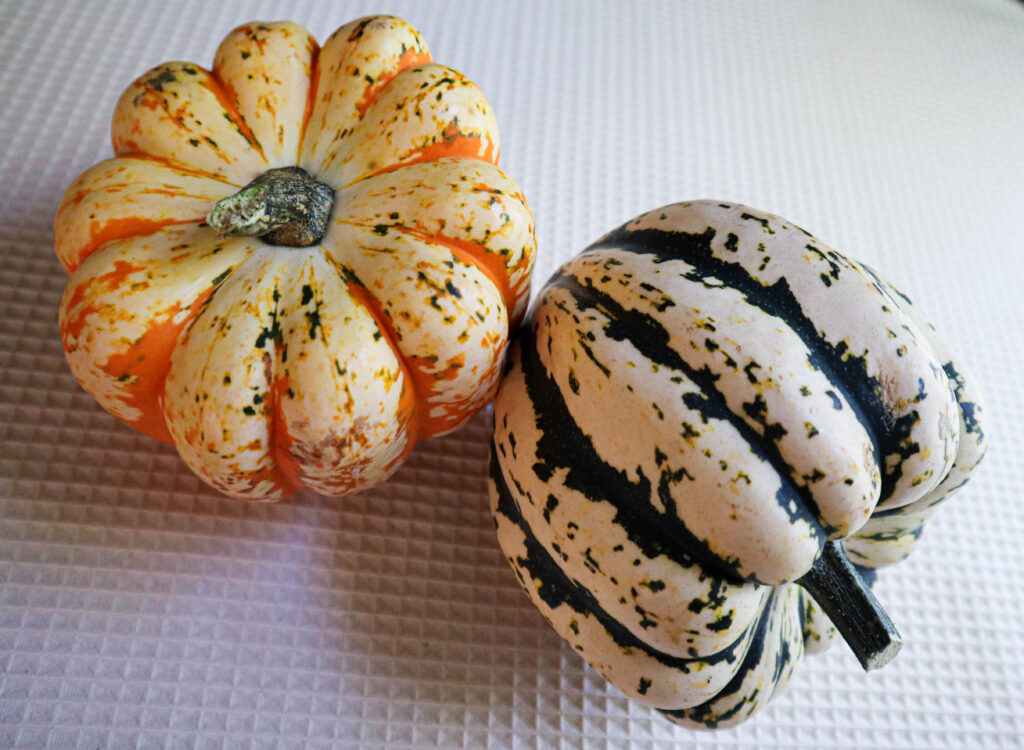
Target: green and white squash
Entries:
(702, 409)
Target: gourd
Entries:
(298, 263)
(702, 410)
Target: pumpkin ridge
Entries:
(798, 503)
(847, 373)
(457, 146)
(124, 197)
(467, 251)
(144, 365)
(557, 588)
(278, 437)
(227, 97)
(485, 231)
(314, 83)
(940, 494)
(177, 94)
(418, 425)
(252, 267)
(125, 228)
(563, 444)
(409, 59)
(705, 712)
(178, 166)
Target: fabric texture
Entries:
(140, 609)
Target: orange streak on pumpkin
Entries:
(408, 413)
(72, 328)
(288, 472)
(409, 59)
(451, 372)
(78, 197)
(417, 384)
(453, 144)
(170, 191)
(176, 166)
(314, 82)
(149, 100)
(119, 229)
(471, 253)
(227, 97)
(128, 147)
(145, 365)
(426, 376)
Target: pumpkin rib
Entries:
(127, 197)
(128, 228)
(470, 253)
(651, 340)
(416, 424)
(180, 167)
(467, 251)
(263, 67)
(563, 444)
(704, 713)
(311, 97)
(552, 586)
(468, 206)
(186, 405)
(425, 113)
(178, 110)
(195, 311)
(971, 443)
(774, 301)
(453, 146)
(744, 701)
(124, 362)
(821, 280)
(890, 534)
(352, 57)
(342, 400)
(449, 321)
(222, 93)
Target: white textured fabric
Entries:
(139, 610)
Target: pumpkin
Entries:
(703, 409)
(299, 262)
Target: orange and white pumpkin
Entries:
(272, 367)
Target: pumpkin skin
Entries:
(694, 406)
(273, 368)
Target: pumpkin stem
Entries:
(844, 596)
(283, 206)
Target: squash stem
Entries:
(840, 591)
(283, 206)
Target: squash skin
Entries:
(273, 368)
(693, 406)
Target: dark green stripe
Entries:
(848, 372)
(558, 589)
(705, 713)
(563, 444)
(651, 339)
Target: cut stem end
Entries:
(283, 206)
(844, 596)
